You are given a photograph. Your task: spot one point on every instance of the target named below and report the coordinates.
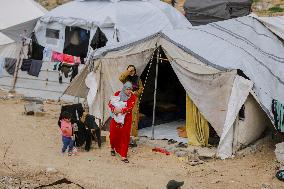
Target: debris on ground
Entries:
(33, 108)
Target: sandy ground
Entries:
(30, 144)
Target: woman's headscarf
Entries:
(122, 95)
(134, 80)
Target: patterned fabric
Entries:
(278, 112)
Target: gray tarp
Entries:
(200, 12)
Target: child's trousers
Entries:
(67, 143)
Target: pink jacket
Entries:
(66, 128)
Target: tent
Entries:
(118, 21)
(17, 21)
(13, 26)
(206, 60)
(207, 11)
(95, 23)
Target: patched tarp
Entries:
(207, 11)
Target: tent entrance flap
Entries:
(170, 97)
(76, 42)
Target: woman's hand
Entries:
(116, 111)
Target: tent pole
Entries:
(155, 94)
(19, 61)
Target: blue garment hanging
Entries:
(278, 111)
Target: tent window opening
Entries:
(76, 42)
(52, 36)
(171, 96)
(51, 33)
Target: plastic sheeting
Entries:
(275, 24)
(242, 43)
(239, 94)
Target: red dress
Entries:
(120, 136)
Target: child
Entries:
(67, 133)
(117, 103)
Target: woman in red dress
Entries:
(120, 134)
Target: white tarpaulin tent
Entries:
(118, 20)
(205, 60)
(17, 17)
(275, 24)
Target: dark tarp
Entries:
(200, 12)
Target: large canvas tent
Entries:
(205, 60)
(17, 19)
(207, 11)
(118, 21)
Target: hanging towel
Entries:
(47, 54)
(10, 65)
(26, 65)
(196, 125)
(35, 67)
(278, 112)
(68, 58)
(56, 57)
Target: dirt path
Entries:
(30, 145)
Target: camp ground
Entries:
(229, 71)
(73, 30)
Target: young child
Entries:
(117, 103)
(67, 133)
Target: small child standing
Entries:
(67, 133)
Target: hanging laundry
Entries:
(10, 65)
(77, 60)
(65, 69)
(83, 35)
(68, 59)
(26, 64)
(74, 72)
(47, 54)
(197, 126)
(35, 67)
(56, 66)
(56, 57)
(99, 40)
(36, 49)
(278, 112)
